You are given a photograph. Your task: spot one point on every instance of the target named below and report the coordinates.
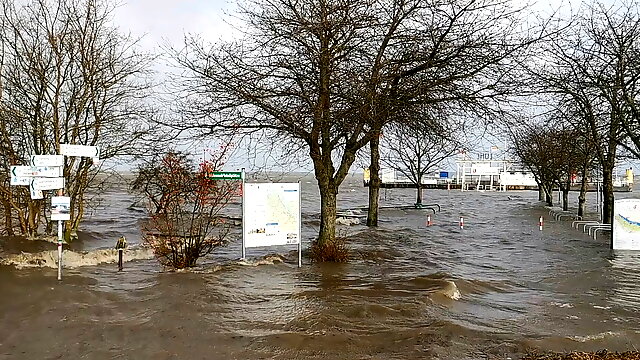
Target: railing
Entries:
(591, 227)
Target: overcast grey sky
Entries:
(160, 20)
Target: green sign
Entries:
(226, 175)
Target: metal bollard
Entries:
(541, 223)
(429, 223)
(461, 223)
(121, 244)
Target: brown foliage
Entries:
(329, 251)
(185, 207)
(600, 355)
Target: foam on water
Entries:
(72, 259)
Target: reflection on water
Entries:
(625, 277)
(491, 289)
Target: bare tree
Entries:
(67, 76)
(555, 156)
(324, 77)
(461, 56)
(592, 68)
(531, 147)
(415, 149)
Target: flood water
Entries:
(492, 290)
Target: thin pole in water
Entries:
(461, 222)
(429, 223)
(299, 224)
(59, 249)
(243, 215)
(121, 244)
(541, 223)
(60, 225)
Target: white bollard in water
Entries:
(461, 222)
(429, 223)
(541, 223)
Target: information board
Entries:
(626, 224)
(60, 208)
(272, 214)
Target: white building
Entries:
(492, 175)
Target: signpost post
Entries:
(45, 172)
(60, 207)
(80, 150)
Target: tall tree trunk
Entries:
(565, 197)
(419, 193)
(548, 192)
(8, 222)
(541, 193)
(582, 198)
(328, 211)
(374, 182)
(607, 194)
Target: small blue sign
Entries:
(444, 174)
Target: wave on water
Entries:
(347, 221)
(265, 260)
(72, 259)
(450, 290)
(438, 285)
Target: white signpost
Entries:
(38, 183)
(46, 160)
(626, 225)
(33, 171)
(20, 181)
(274, 215)
(38, 178)
(45, 172)
(80, 150)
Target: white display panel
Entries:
(272, 214)
(626, 224)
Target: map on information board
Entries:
(626, 224)
(272, 214)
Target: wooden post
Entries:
(121, 244)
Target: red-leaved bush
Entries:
(184, 206)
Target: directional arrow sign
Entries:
(46, 160)
(31, 171)
(80, 150)
(47, 183)
(20, 181)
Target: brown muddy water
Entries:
(492, 290)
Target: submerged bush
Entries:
(184, 206)
(333, 251)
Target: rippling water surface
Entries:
(491, 290)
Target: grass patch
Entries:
(332, 251)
